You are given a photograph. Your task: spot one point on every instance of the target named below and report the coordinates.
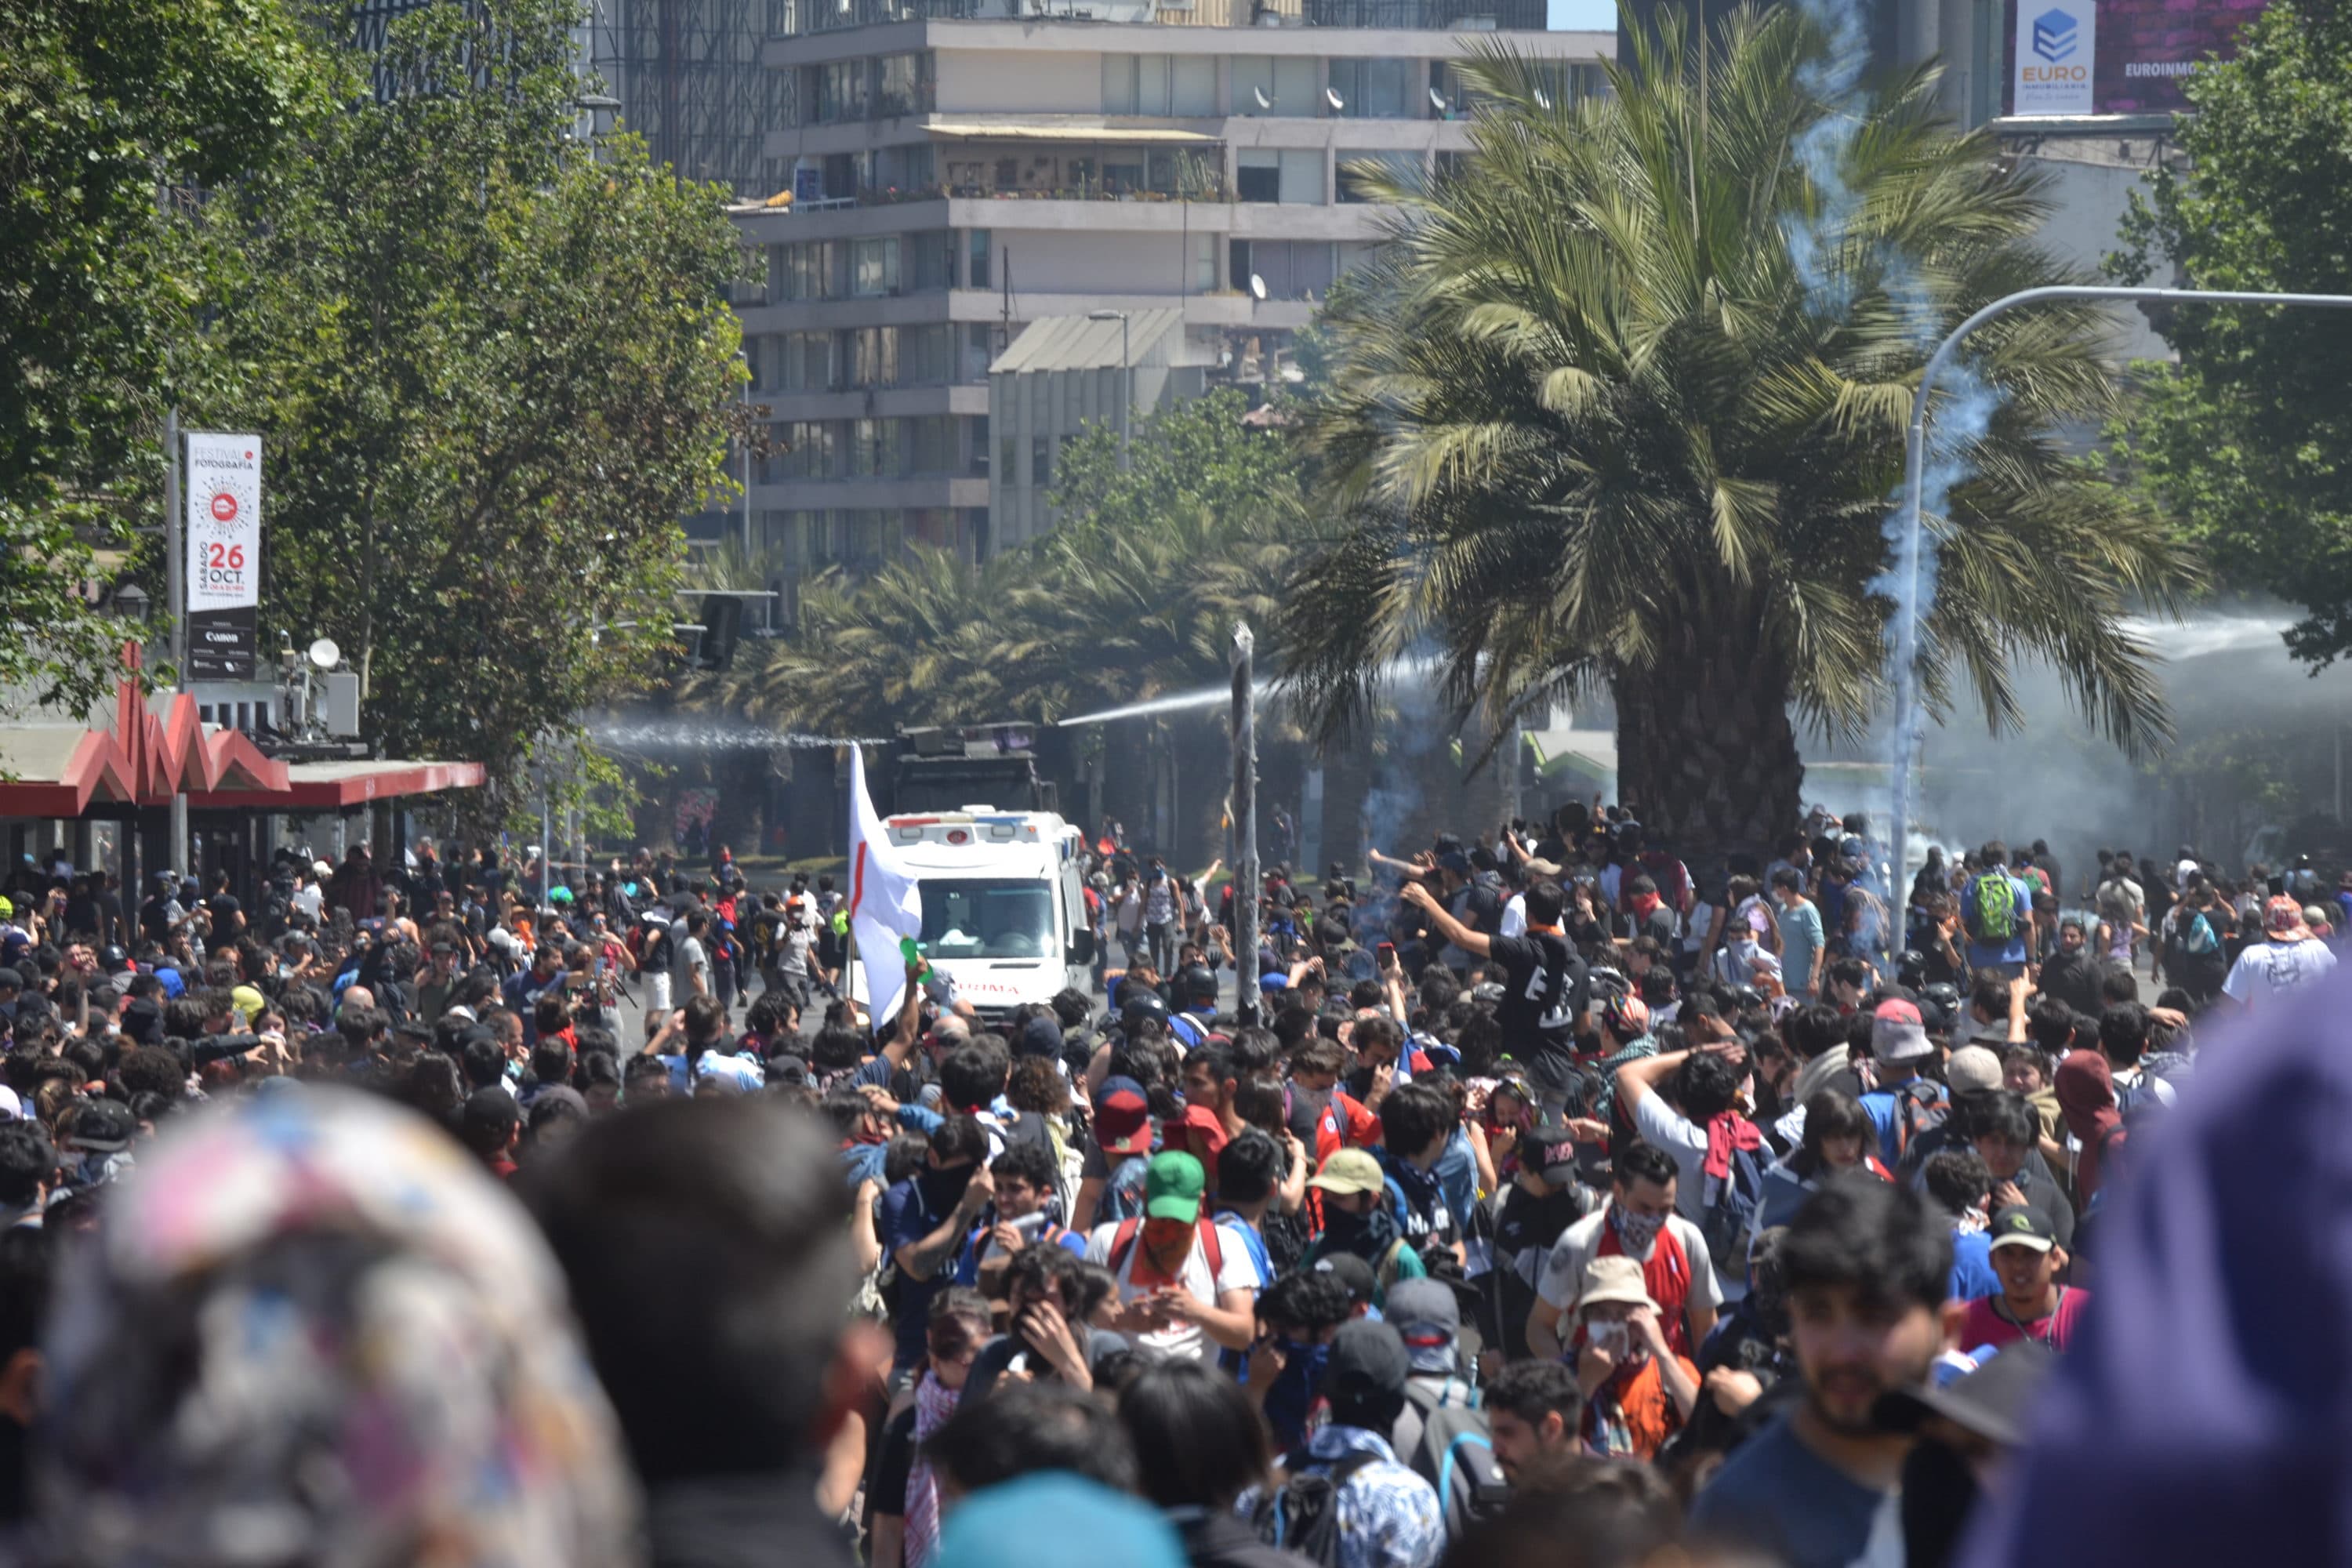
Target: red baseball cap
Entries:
(1122, 1118)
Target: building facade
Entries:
(957, 173)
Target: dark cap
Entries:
(102, 1126)
(1550, 1148)
(1454, 861)
(1991, 1402)
(1367, 1361)
(1351, 1271)
(10, 980)
(1040, 1037)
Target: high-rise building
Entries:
(951, 172)
(688, 78)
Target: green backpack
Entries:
(1992, 908)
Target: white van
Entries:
(1005, 912)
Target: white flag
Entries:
(885, 902)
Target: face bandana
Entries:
(1636, 1232)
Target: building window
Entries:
(873, 356)
(1404, 168)
(1302, 177)
(903, 84)
(1007, 466)
(874, 266)
(1282, 85)
(803, 271)
(1041, 461)
(1258, 176)
(1159, 84)
(876, 449)
(1373, 90)
(976, 269)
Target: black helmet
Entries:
(1135, 1003)
(1911, 970)
(1196, 986)
(1940, 1005)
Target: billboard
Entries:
(224, 545)
(2115, 56)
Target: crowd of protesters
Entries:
(1547, 1201)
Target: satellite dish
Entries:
(1436, 100)
(325, 655)
(1332, 96)
(1263, 101)
(1543, 98)
(1258, 286)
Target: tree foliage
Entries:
(493, 364)
(107, 109)
(1598, 427)
(1133, 594)
(2249, 442)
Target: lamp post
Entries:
(1126, 377)
(1914, 465)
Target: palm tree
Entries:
(1597, 423)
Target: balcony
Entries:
(806, 16)
(1437, 15)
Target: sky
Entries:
(1579, 16)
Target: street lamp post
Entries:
(1126, 377)
(1914, 465)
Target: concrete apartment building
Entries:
(959, 170)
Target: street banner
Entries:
(224, 567)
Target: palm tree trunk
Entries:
(1706, 752)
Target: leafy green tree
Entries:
(496, 364)
(108, 108)
(1191, 455)
(2249, 442)
(1599, 428)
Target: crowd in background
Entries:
(1546, 1198)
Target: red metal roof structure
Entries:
(59, 771)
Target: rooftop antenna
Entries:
(1258, 286)
(1263, 101)
(1331, 96)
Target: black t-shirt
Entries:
(1527, 1223)
(1544, 991)
(886, 1492)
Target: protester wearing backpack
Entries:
(1346, 1502)
(1443, 1432)
(1180, 1289)
(1719, 1155)
(1904, 1104)
(1997, 911)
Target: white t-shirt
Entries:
(309, 900)
(1662, 1125)
(1236, 1272)
(1564, 1270)
(1515, 916)
(2267, 969)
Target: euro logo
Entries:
(2055, 34)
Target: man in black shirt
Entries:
(1546, 988)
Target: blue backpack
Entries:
(1729, 1202)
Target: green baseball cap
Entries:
(1173, 1185)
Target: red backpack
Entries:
(1122, 1242)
